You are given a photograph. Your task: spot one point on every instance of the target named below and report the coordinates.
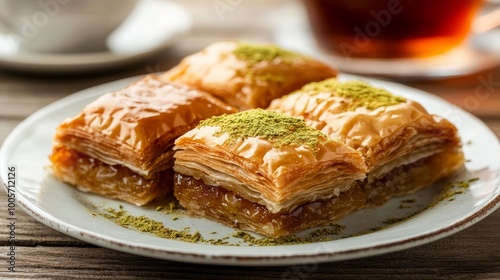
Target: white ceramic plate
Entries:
(71, 212)
(153, 26)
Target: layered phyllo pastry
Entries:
(404, 147)
(120, 145)
(266, 172)
(247, 75)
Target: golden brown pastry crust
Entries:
(246, 84)
(280, 178)
(120, 145)
(387, 136)
(411, 177)
(136, 126)
(380, 134)
(114, 181)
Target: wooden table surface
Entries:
(473, 253)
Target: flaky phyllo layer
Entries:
(120, 145)
(389, 131)
(248, 75)
(268, 158)
(322, 148)
(137, 125)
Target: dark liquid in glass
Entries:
(391, 28)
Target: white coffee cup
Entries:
(62, 26)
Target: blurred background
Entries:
(159, 33)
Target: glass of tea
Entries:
(391, 28)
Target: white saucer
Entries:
(481, 52)
(152, 27)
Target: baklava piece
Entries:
(404, 147)
(247, 75)
(120, 145)
(266, 172)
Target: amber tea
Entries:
(391, 28)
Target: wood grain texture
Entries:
(469, 254)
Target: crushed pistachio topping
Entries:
(147, 225)
(392, 221)
(450, 190)
(453, 188)
(254, 53)
(327, 233)
(269, 125)
(360, 93)
(368, 231)
(405, 204)
(169, 208)
(387, 223)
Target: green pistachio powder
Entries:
(281, 130)
(255, 53)
(156, 228)
(360, 93)
(324, 233)
(269, 125)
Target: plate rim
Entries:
(279, 260)
(225, 258)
